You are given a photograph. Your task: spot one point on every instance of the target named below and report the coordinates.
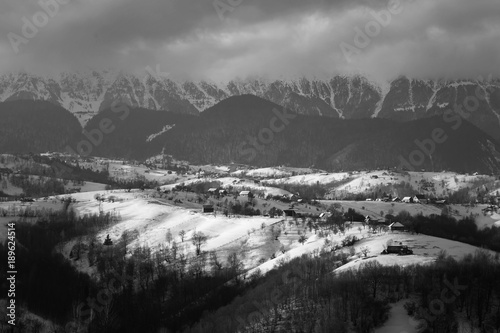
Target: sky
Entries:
(221, 40)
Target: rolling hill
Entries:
(247, 129)
(250, 130)
(28, 126)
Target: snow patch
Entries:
(165, 129)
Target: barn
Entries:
(407, 200)
(420, 198)
(397, 226)
(208, 209)
(289, 213)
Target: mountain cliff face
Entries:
(403, 99)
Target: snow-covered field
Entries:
(312, 179)
(437, 183)
(374, 208)
(236, 183)
(425, 249)
(272, 172)
(152, 218)
(125, 171)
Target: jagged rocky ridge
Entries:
(355, 97)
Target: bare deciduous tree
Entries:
(198, 240)
(182, 234)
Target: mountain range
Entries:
(346, 97)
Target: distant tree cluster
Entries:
(36, 186)
(464, 230)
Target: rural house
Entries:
(208, 209)
(407, 200)
(420, 198)
(290, 212)
(397, 226)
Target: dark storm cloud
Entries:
(238, 38)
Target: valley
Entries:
(237, 223)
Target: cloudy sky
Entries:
(224, 39)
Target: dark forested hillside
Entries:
(247, 129)
(250, 130)
(131, 129)
(29, 126)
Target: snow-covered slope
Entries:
(425, 249)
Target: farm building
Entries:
(397, 226)
(212, 190)
(407, 200)
(324, 216)
(246, 194)
(208, 209)
(420, 198)
(289, 212)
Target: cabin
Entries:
(212, 190)
(407, 200)
(377, 221)
(208, 209)
(222, 192)
(396, 199)
(397, 226)
(246, 194)
(420, 198)
(289, 212)
(323, 217)
(399, 249)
